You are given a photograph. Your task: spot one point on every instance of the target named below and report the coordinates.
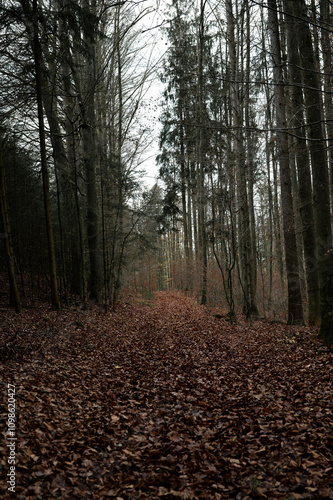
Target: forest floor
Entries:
(161, 399)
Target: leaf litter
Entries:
(164, 400)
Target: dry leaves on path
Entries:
(165, 400)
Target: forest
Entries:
(241, 212)
(166, 334)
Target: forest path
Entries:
(164, 400)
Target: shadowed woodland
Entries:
(241, 213)
(168, 336)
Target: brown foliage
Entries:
(164, 400)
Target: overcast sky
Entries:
(151, 107)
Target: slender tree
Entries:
(7, 236)
(201, 154)
(327, 55)
(295, 308)
(44, 167)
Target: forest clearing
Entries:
(162, 399)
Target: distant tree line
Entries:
(246, 150)
(245, 153)
(73, 77)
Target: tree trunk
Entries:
(250, 141)
(183, 180)
(201, 162)
(5, 222)
(321, 197)
(304, 172)
(274, 216)
(295, 307)
(90, 153)
(45, 175)
(244, 234)
(326, 25)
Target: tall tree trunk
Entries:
(45, 175)
(244, 236)
(272, 183)
(303, 168)
(194, 196)
(321, 197)
(59, 156)
(5, 222)
(326, 21)
(89, 152)
(201, 160)
(119, 235)
(65, 159)
(183, 179)
(270, 223)
(295, 307)
(250, 141)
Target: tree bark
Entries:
(201, 161)
(244, 231)
(321, 196)
(295, 307)
(304, 172)
(327, 54)
(5, 222)
(45, 175)
(250, 141)
(90, 152)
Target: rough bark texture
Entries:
(244, 241)
(201, 156)
(250, 141)
(295, 307)
(321, 197)
(90, 156)
(45, 175)
(5, 222)
(326, 28)
(304, 172)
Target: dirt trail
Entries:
(163, 400)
